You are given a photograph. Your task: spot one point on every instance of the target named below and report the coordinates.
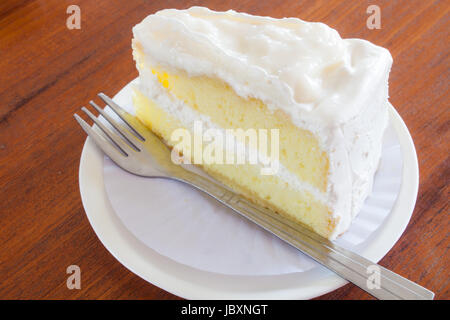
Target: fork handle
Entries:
(370, 277)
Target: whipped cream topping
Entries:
(337, 88)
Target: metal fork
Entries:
(136, 149)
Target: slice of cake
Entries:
(326, 96)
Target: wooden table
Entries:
(47, 72)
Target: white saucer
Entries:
(192, 283)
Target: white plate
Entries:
(193, 283)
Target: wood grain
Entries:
(48, 72)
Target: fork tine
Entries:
(115, 139)
(120, 112)
(131, 139)
(115, 154)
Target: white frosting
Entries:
(337, 88)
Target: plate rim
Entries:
(191, 283)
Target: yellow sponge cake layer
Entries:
(267, 190)
(299, 149)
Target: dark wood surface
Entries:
(48, 72)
